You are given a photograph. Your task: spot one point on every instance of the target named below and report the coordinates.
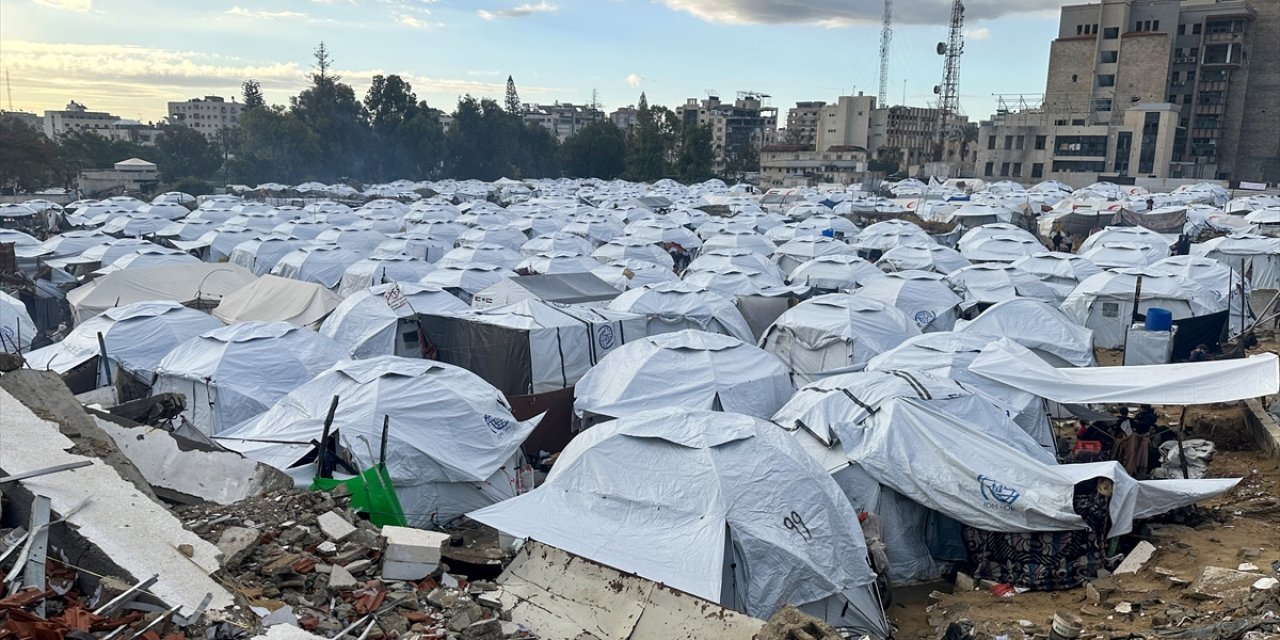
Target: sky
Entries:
(130, 57)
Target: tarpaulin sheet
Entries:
(1176, 384)
(1162, 222)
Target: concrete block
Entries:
(413, 545)
(1136, 558)
(392, 570)
(341, 580)
(1219, 583)
(334, 526)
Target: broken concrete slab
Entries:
(341, 580)
(236, 543)
(116, 515)
(1136, 558)
(410, 554)
(334, 526)
(188, 472)
(287, 632)
(1265, 584)
(1219, 583)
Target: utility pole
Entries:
(886, 36)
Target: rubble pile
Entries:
(307, 559)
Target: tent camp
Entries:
(988, 283)
(562, 288)
(1155, 245)
(1001, 248)
(923, 296)
(260, 255)
(1060, 271)
(556, 262)
(750, 521)
(922, 257)
(834, 272)
(531, 346)
(1257, 256)
(629, 274)
(381, 269)
(675, 306)
(835, 333)
(234, 373)
(1104, 302)
(195, 285)
(1120, 255)
(453, 445)
(368, 325)
(882, 236)
(792, 254)
(137, 337)
(275, 299)
(720, 373)
(320, 263)
(216, 245)
(17, 329)
(861, 400)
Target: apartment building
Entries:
(734, 127)
(563, 120)
(210, 115)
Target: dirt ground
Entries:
(1240, 526)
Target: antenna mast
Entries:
(8, 85)
(949, 91)
(886, 35)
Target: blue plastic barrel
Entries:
(1159, 319)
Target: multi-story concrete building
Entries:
(625, 118)
(798, 165)
(1214, 60)
(30, 119)
(802, 123)
(210, 115)
(734, 127)
(78, 118)
(563, 120)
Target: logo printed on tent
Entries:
(993, 489)
(605, 337)
(924, 317)
(395, 298)
(496, 425)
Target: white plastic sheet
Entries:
(1177, 384)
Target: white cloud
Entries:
(634, 80)
(415, 22)
(521, 11)
(979, 33)
(78, 6)
(241, 12)
(841, 13)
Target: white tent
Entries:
(1038, 326)
(924, 297)
(1001, 248)
(725, 258)
(1257, 256)
(632, 249)
(103, 253)
(17, 330)
(195, 284)
(1060, 271)
(231, 374)
(467, 280)
(216, 245)
(740, 239)
(137, 337)
(320, 263)
(452, 443)
(148, 258)
(737, 281)
(1120, 255)
(1104, 301)
(989, 283)
(739, 515)
(358, 237)
(531, 346)
(499, 234)
(557, 241)
(367, 325)
(802, 249)
(835, 333)
(861, 400)
(556, 263)
(1155, 245)
(948, 355)
(982, 233)
(261, 254)
(675, 306)
(833, 272)
(483, 253)
(629, 274)
(1217, 278)
(885, 235)
(690, 369)
(381, 269)
(922, 257)
(275, 299)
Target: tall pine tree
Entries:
(646, 159)
(513, 99)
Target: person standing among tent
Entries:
(1057, 239)
(1069, 242)
(1151, 204)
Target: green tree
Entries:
(741, 159)
(482, 141)
(28, 161)
(408, 141)
(696, 155)
(513, 99)
(330, 110)
(537, 152)
(276, 146)
(185, 152)
(646, 158)
(251, 93)
(389, 101)
(598, 150)
(887, 161)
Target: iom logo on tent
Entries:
(496, 425)
(924, 317)
(605, 337)
(998, 492)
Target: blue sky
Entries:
(131, 56)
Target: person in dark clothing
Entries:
(1199, 354)
(1145, 415)
(1057, 240)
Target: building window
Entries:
(1008, 142)
(1108, 57)
(1004, 169)
(1195, 29)
(1076, 146)
(1020, 142)
(1107, 80)
(1177, 75)
(1182, 29)
(1059, 123)
(1155, 25)
(991, 142)
(1111, 33)
(1037, 170)
(1039, 142)
(1079, 29)
(1017, 169)
(1191, 77)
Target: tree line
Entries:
(327, 134)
